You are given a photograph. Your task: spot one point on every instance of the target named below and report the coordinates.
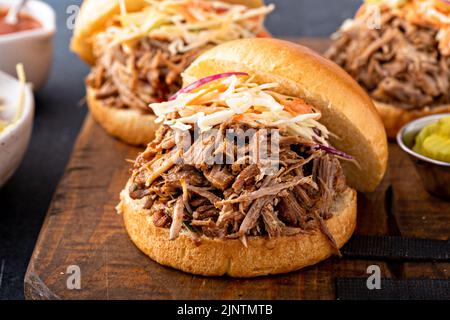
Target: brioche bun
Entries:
(218, 257)
(394, 118)
(95, 15)
(347, 110)
(128, 125)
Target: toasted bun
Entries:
(346, 108)
(128, 125)
(217, 257)
(394, 118)
(95, 15)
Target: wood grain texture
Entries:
(82, 228)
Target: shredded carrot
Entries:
(264, 34)
(295, 106)
(238, 118)
(246, 117)
(207, 6)
(220, 87)
(361, 11)
(185, 11)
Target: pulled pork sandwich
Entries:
(404, 62)
(140, 48)
(200, 201)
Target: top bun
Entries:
(346, 109)
(95, 15)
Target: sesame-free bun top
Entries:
(95, 15)
(346, 109)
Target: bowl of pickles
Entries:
(427, 141)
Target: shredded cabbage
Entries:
(238, 98)
(186, 24)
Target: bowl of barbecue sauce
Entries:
(25, 22)
(29, 42)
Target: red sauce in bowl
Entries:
(25, 22)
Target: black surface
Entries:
(59, 115)
(397, 248)
(411, 289)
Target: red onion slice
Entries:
(333, 151)
(203, 81)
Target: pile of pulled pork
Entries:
(400, 63)
(146, 73)
(236, 200)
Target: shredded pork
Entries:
(399, 63)
(146, 73)
(235, 201)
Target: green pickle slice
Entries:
(437, 147)
(427, 131)
(434, 141)
(444, 127)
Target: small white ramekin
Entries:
(15, 138)
(34, 48)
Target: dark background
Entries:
(25, 198)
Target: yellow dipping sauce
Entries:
(434, 141)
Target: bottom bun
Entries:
(129, 125)
(394, 118)
(218, 257)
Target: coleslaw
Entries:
(235, 97)
(186, 24)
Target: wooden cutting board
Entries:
(83, 229)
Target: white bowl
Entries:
(34, 48)
(15, 138)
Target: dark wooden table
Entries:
(83, 229)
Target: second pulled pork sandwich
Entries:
(399, 51)
(253, 215)
(139, 48)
